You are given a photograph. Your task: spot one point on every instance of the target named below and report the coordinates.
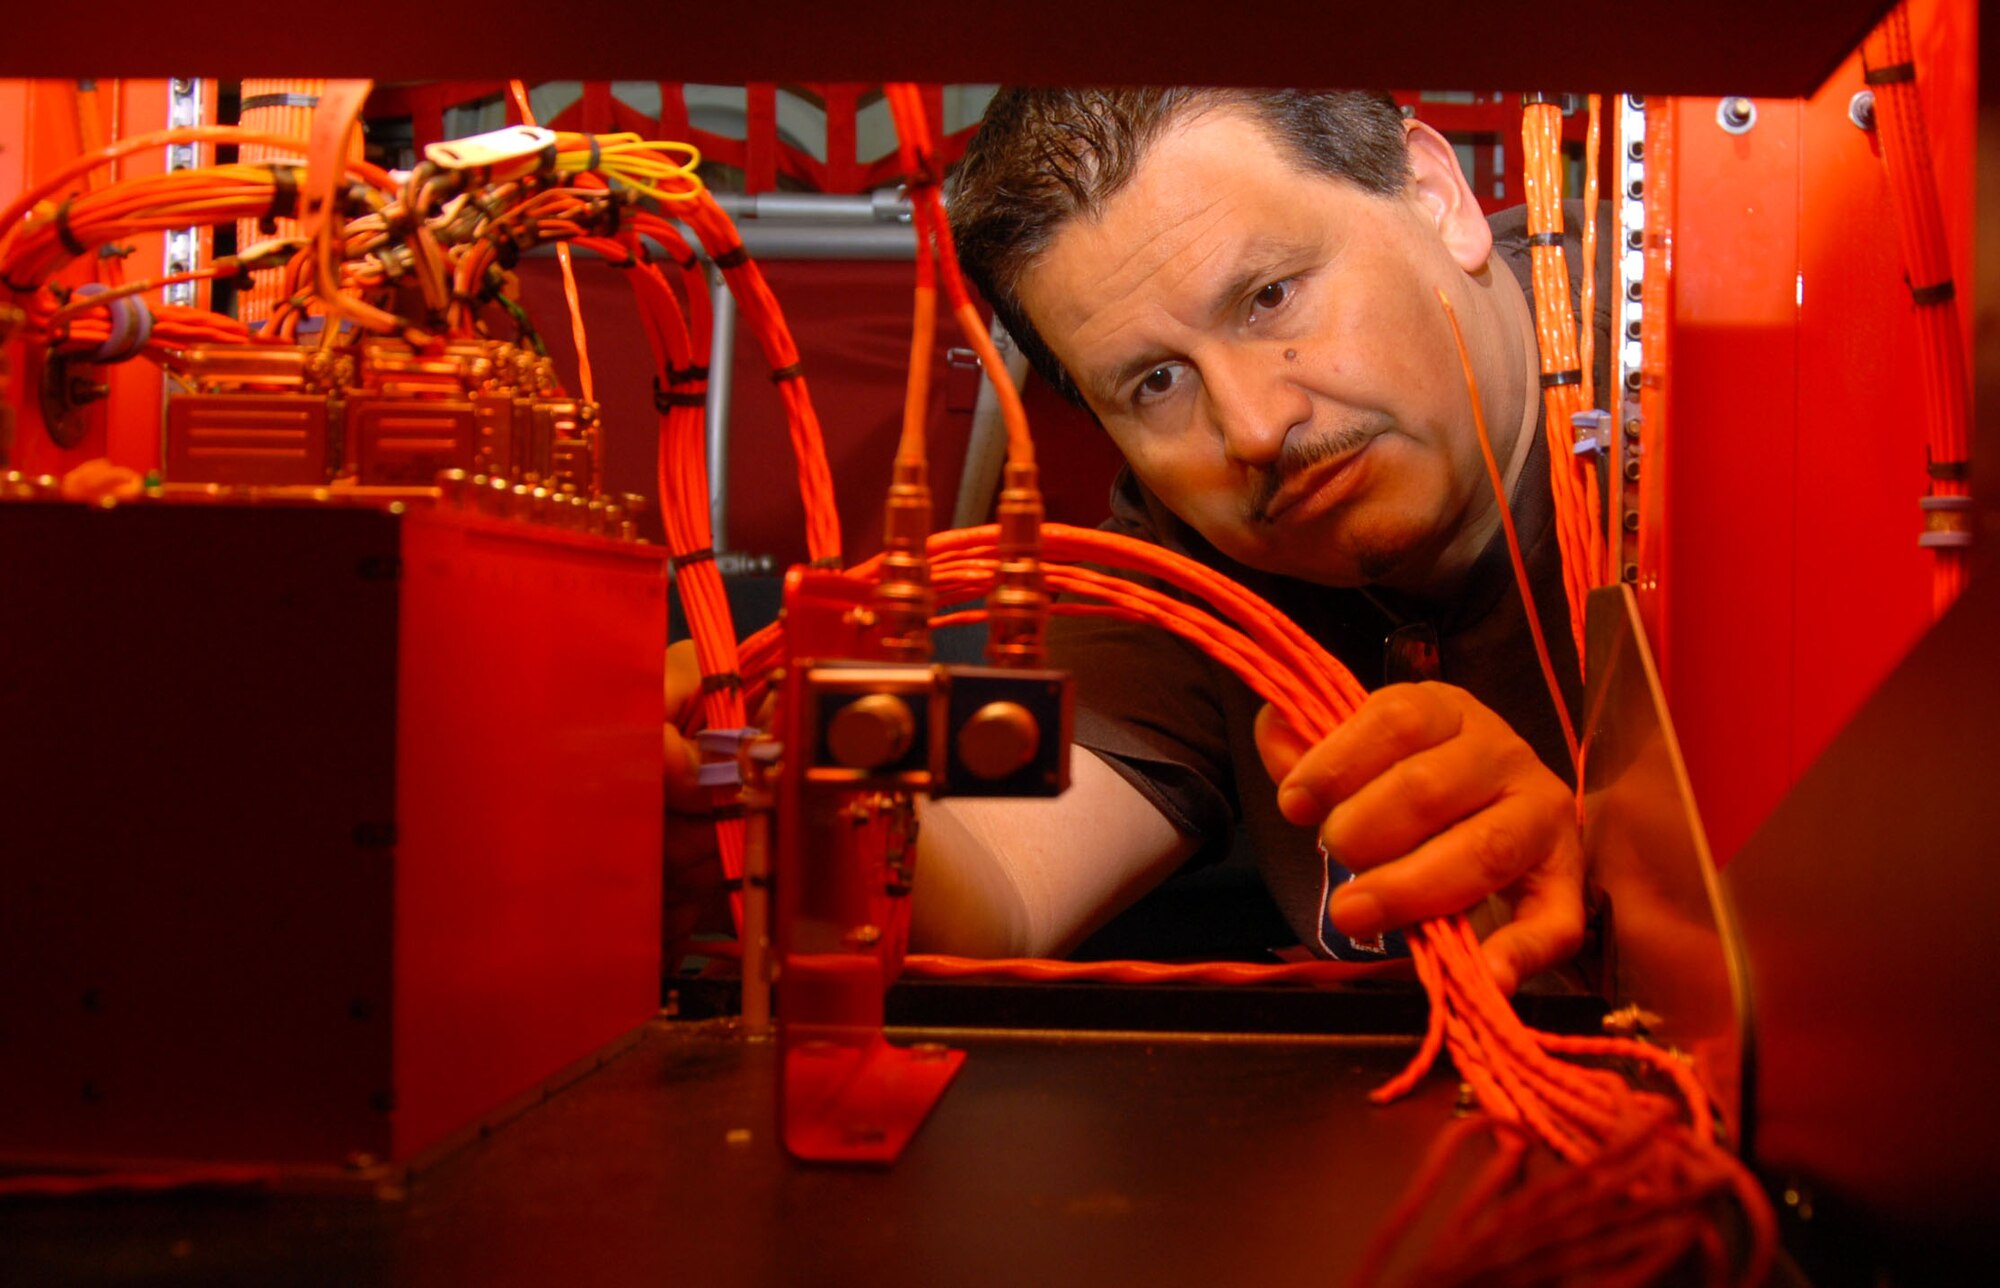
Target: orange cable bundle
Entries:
(1572, 479)
(1890, 59)
(274, 107)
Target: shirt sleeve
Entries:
(1150, 705)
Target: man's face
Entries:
(1267, 349)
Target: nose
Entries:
(1254, 401)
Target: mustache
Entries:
(1299, 455)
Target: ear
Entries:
(1439, 188)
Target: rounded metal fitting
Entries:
(1736, 114)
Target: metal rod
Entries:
(986, 447)
(721, 366)
(773, 239)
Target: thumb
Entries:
(1278, 744)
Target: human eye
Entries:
(1272, 297)
(1156, 384)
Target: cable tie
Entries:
(687, 375)
(733, 810)
(1949, 471)
(284, 198)
(719, 681)
(790, 371)
(1545, 239)
(506, 252)
(703, 555)
(64, 233)
(1936, 293)
(735, 257)
(665, 400)
(131, 324)
(113, 250)
(596, 153)
(256, 101)
(1893, 74)
(1556, 379)
(686, 262)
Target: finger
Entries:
(1393, 724)
(684, 792)
(683, 683)
(1546, 931)
(1421, 795)
(1278, 744)
(1458, 867)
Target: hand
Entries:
(1434, 802)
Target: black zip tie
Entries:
(596, 153)
(256, 101)
(735, 257)
(1950, 471)
(284, 197)
(1893, 74)
(790, 371)
(112, 250)
(1935, 293)
(686, 262)
(64, 233)
(687, 375)
(665, 400)
(830, 563)
(703, 555)
(721, 680)
(505, 251)
(1555, 379)
(722, 813)
(1545, 239)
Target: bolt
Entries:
(1632, 428)
(1631, 521)
(1630, 573)
(1632, 290)
(1861, 110)
(1632, 382)
(1736, 114)
(1635, 239)
(1634, 329)
(1635, 188)
(1636, 149)
(1637, 102)
(1631, 471)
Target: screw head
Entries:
(1861, 110)
(1736, 114)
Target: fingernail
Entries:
(1295, 803)
(1356, 912)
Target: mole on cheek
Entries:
(1291, 355)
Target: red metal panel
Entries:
(1733, 442)
(330, 831)
(1783, 581)
(197, 719)
(528, 823)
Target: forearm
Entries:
(1013, 878)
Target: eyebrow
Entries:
(1268, 258)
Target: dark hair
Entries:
(1043, 156)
